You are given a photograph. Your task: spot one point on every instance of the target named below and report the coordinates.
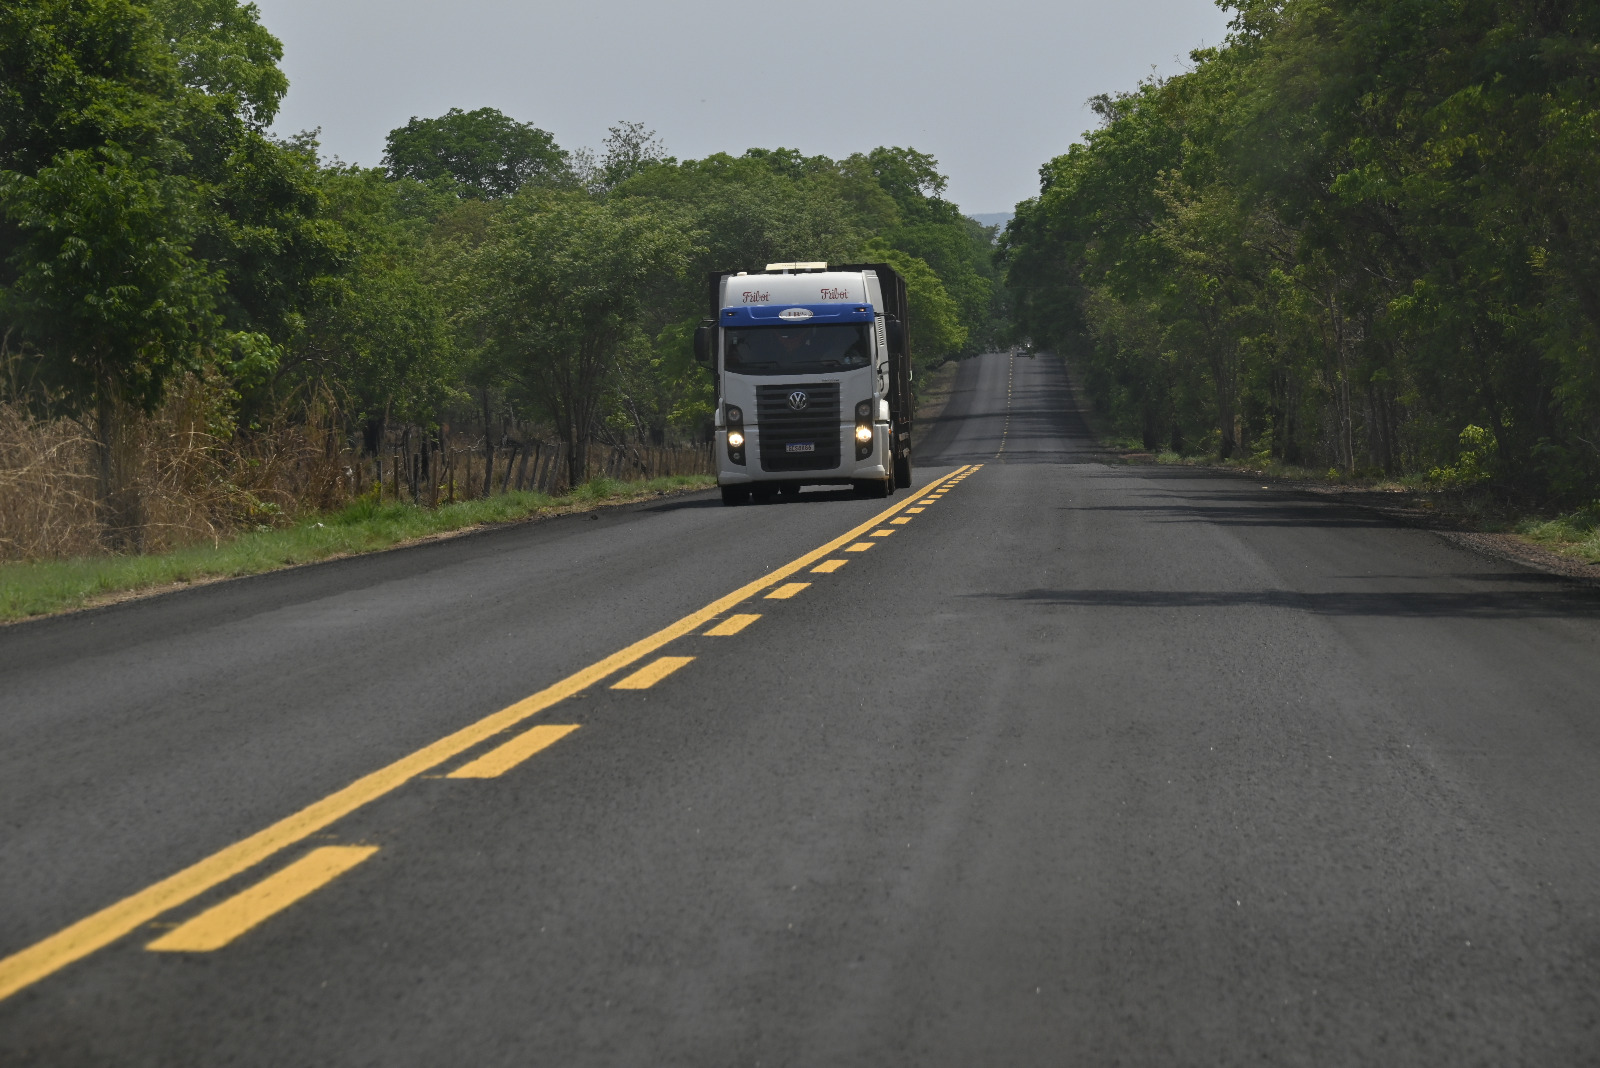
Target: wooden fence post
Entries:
(522, 469)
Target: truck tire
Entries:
(735, 495)
(902, 471)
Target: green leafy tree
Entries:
(486, 152)
(104, 283)
(567, 285)
(149, 227)
(377, 335)
(223, 51)
(936, 330)
(1361, 227)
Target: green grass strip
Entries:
(35, 588)
(1576, 534)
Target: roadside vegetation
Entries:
(1421, 499)
(1359, 240)
(1575, 534)
(933, 387)
(206, 329)
(41, 587)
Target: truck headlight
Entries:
(735, 439)
(864, 411)
(735, 415)
(863, 433)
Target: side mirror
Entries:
(897, 334)
(705, 341)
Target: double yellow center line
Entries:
(95, 932)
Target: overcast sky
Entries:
(992, 89)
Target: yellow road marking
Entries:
(502, 758)
(859, 547)
(731, 625)
(900, 520)
(651, 673)
(98, 930)
(786, 591)
(221, 924)
(915, 509)
(828, 567)
(881, 533)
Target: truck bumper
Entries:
(875, 466)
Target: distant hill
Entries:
(993, 218)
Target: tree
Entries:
(630, 149)
(105, 284)
(567, 284)
(150, 229)
(377, 336)
(935, 325)
(1350, 234)
(225, 52)
(486, 152)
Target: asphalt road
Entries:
(1082, 764)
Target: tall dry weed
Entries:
(47, 487)
(195, 478)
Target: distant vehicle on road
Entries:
(813, 379)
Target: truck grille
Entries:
(817, 425)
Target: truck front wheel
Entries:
(902, 471)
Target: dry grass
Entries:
(193, 478)
(47, 488)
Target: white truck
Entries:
(813, 379)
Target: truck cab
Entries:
(813, 379)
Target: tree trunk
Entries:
(522, 469)
(116, 468)
(488, 447)
(511, 459)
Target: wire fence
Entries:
(436, 469)
(189, 484)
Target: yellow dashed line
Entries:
(859, 547)
(731, 625)
(652, 673)
(503, 758)
(786, 591)
(828, 567)
(221, 924)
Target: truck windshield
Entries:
(789, 350)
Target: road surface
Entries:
(1079, 764)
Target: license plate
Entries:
(800, 446)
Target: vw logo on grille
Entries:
(797, 400)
